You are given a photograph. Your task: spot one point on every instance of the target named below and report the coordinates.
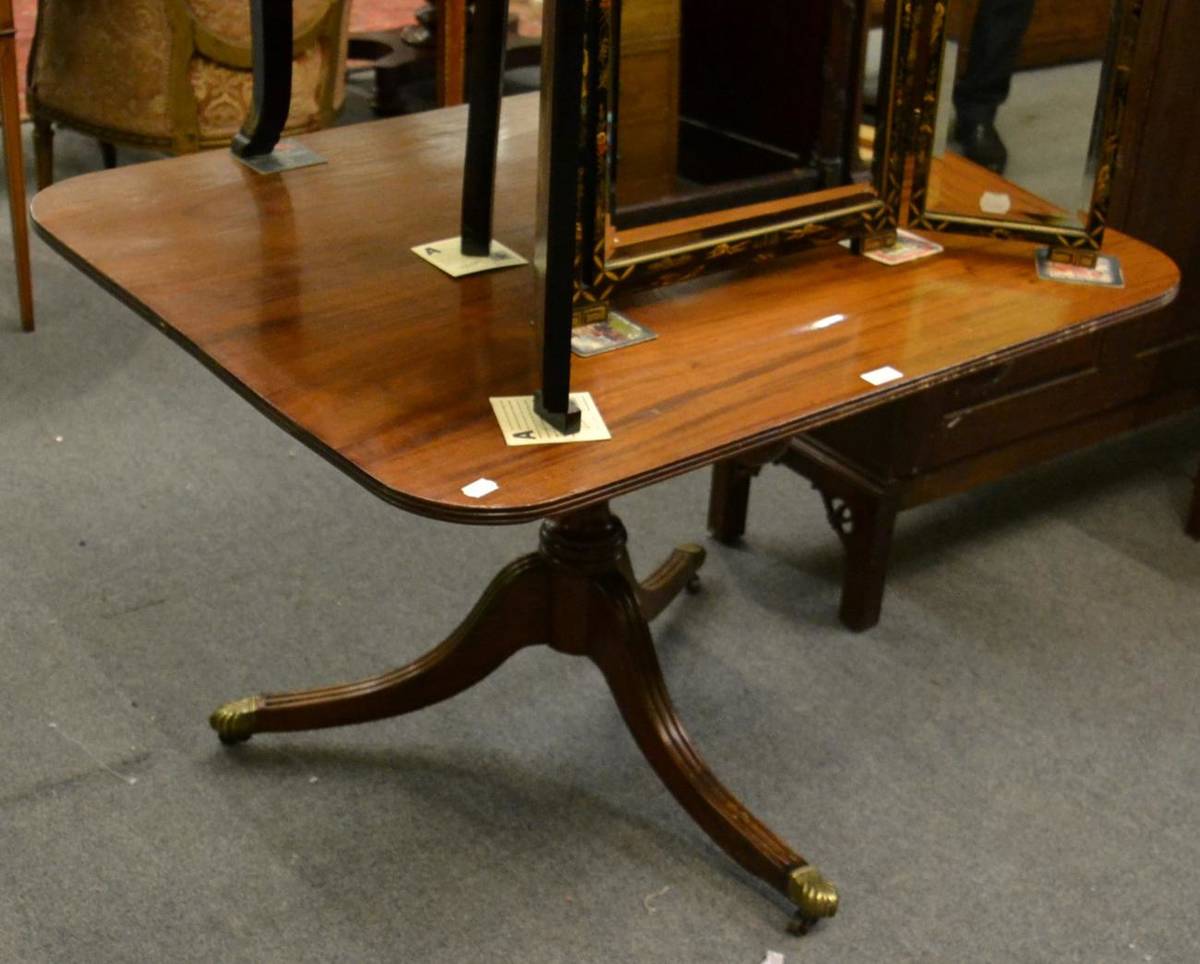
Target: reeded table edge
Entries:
(485, 515)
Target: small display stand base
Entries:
(447, 255)
(568, 422)
(1104, 270)
(287, 156)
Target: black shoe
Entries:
(980, 143)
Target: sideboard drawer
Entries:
(1071, 381)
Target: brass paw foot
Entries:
(234, 722)
(814, 897)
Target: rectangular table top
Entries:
(300, 290)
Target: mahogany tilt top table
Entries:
(323, 320)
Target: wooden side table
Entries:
(14, 162)
(384, 366)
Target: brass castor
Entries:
(814, 896)
(234, 722)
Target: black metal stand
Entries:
(563, 39)
(271, 26)
(489, 38)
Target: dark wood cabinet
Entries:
(1158, 193)
(1069, 395)
(751, 90)
(709, 95)
(648, 139)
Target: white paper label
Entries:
(995, 202)
(447, 255)
(479, 488)
(881, 376)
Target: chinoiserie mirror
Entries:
(1020, 114)
(716, 131)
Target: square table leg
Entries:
(861, 510)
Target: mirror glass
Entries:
(717, 105)
(1022, 95)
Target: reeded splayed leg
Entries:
(578, 595)
(507, 618)
(679, 572)
(606, 620)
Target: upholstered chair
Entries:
(170, 75)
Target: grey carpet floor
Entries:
(1007, 769)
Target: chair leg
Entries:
(108, 154)
(16, 178)
(43, 152)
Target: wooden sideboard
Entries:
(976, 429)
(983, 427)
(1157, 191)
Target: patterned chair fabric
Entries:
(174, 74)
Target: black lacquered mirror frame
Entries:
(1077, 245)
(868, 217)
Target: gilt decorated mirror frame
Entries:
(1069, 244)
(867, 213)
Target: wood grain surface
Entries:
(301, 292)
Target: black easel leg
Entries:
(271, 25)
(488, 43)
(563, 24)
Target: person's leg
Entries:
(996, 37)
